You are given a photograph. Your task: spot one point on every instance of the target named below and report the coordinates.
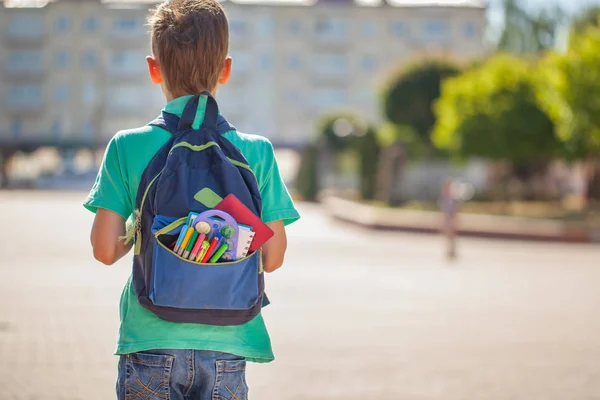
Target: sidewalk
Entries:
(490, 226)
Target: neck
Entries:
(172, 96)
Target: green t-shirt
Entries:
(115, 189)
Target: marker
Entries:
(190, 244)
(184, 230)
(186, 239)
(197, 246)
(214, 243)
(219, 253)
(203, 250)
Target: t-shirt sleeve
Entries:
(277, 202)
(110, 189)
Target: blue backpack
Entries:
(192, 162)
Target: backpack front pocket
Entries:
(181, 283)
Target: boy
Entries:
(160, 359)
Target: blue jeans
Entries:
(181, 375)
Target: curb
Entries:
(473, 225)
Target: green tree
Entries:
(568, 90)
(491, 112)
(589, 17)
(409, 96)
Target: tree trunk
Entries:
(593, 183)
(4, 159)
(389, 170)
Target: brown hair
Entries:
(190, 41)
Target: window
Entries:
(237, 27)
(128, 25)
(91, 24)
(25, 93)
(26, 25)
(90, 58)
(56, 128)
(266, 61)
(61, 58)
(240, 62)
(369, 29)
(88, 129)
(293, 61)
(62, 92)
(332, 64)
(436, 29)
(25, 60)
(331, 27)
(329, 98)
(292, 95)
(399, 29)
(470, 29)
(16, 127)
(62, 24)
(128, 61)
(294, 27)
(369, 63)
(267, 26)
(88, 93)
(125, 98)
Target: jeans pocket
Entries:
(231, 380)
(147, 376)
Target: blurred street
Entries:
(356, 314)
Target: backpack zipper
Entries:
(206, 146)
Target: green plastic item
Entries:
(219, 253)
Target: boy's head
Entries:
(190, 43)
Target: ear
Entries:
(154, 71)
(225, 72)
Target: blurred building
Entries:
(74, 70)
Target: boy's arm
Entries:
(274, 249)
(107, 229)
(278, 209)
(109, 199)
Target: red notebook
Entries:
(243, 215)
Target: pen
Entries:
(214, 243)
(186, 239)
(197, 246)
(190, 244)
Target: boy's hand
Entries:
(107, 229)
(274, 249)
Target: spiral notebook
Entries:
(245, 238)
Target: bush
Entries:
(307, 181)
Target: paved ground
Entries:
(355, 314)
